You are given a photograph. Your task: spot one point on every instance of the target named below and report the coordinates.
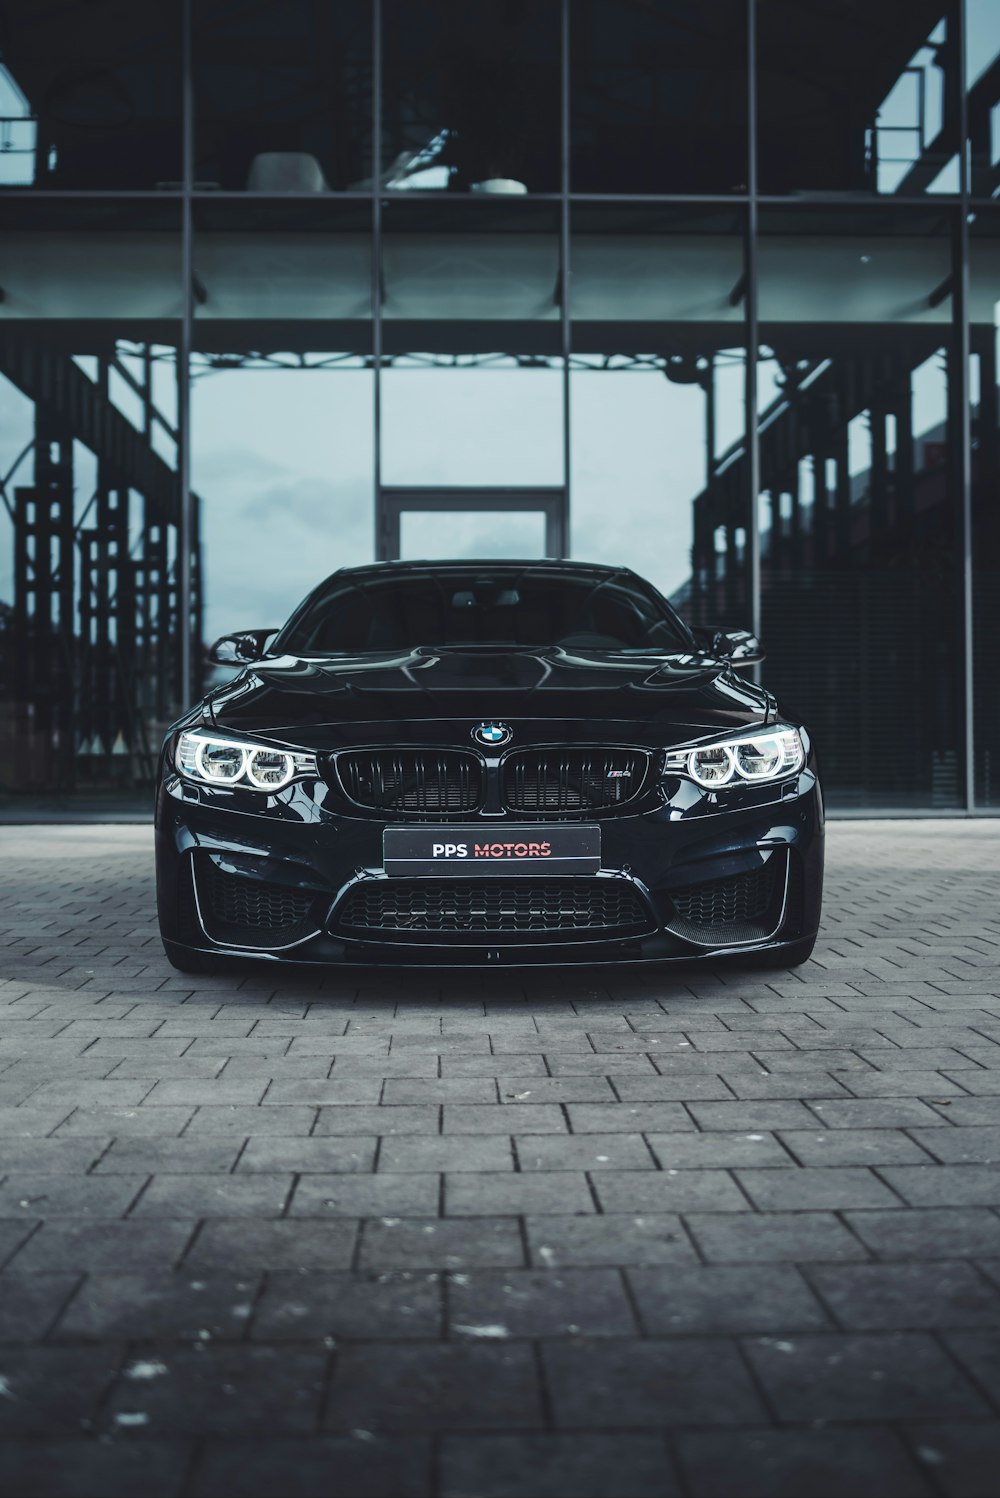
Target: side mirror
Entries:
(737, 646)
(242, 649)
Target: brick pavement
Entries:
(610, 1232)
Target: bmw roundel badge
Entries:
(492, 735)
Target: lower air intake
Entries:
(252, 912)
(738, 908)
(505, 909)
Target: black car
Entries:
(487, 762)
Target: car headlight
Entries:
(218, 761)
(752, 757)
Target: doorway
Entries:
(513, 519)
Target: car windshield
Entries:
(358, 613)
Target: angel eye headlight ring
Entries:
(752, 758)
(212, 760)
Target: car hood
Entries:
(321, 702)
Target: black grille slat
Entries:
(413, 781)
(492, 907)
(558, 781)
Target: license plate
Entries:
(557, 849)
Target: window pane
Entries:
(659, 100)
(449, 268)
(492, 534)
(982, 54)
(282, 459)
(858, 98)
(859, 511)
(282, 95)
(88, 459)
(657, 392)
(476, 420)
(90, 95)
(984, 307)
(259, 264)
(471, 96)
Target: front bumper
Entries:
(657, 857)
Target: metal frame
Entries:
(98, 422)
(553, 503)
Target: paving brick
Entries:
(462, 1118)
(302, 1466)
(669, 1191)
(108, 1244)
(683, 1381)
(854, 1147)
(865, 1462)
(582, 1064)
(31, 1122)
(682, 1299)
(441, 1243)
(583, 1152)
(799, 1237)
(978, 1353)
(215, 1196)
(242, 1245)
(929, 1233)
(501, 1193)
(833, 1187)
(489, 1305)
(54, 1390)
(77, 1467)
(396, 1121)
(753, 1116)
(31, 1303)
(717, 1151)
(103, 1123)
(413, 1090)
(886, 1297)
(960, 1458)
(609, 1239)
(878, 1113)
(143, 1155)
(437, 1387)
(945, 1185)
(46, 1196)
(447, 1152)
(166, 1305)
(222, 1389)
(35, 1157)
(629, 1118)
(280, 1153)
(551, 1465)
(870, 1376)
(297, 1307)
(383, 1195)
(292, 1120)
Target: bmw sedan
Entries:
(487, 763)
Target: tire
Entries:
(187, 961)
(784, 957)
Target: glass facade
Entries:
(711, 290)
